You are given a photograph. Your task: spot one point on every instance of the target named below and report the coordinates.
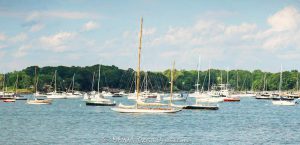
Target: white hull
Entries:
(178, 106)
(56, 96)
(72, 96)
(211, 99)
(283, 103)
(174, 99)
(39, 102)
(39, 95)
(243, 95)
(201, 95)
(126, 106)
(134, 110)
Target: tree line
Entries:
(114, 77)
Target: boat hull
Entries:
(9, 100)
(266, 98)
(201, 107)
(99, 104)
(284, 103)
(134, 110)
(39, 102)
(232, 99)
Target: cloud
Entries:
(3, 46)
(283, 33)
(19, 38)
(22, 51)
(285, 19)
(149, 31)
(36, 27)
(37, 15)
(90, 26)
(206, 32)
(239, 29)
(58, 42)
(2, 37)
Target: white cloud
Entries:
(37, 27)
(286, 19)
(22, 51)
(91, 25)
(3, 46)
(36, 15)
(2, 37)
(284, 32)
(238, 29)
(149, 31)
(19, 38)
(58, 42)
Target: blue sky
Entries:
(230, 34)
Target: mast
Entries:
(172, 79)
(297, 83)
(227, 78)
(237, 80)
(35, 79)
(55, 81)
(208, 86)
(99, 72)
(221, 77)
(197, 85)
(16, 85)
(139, 62)
(264, 83)
(73, 83)
(280, 82)
(3, 89)
(93, 81)
(146, 81)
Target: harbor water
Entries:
(249, 121)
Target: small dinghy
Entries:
(283, 102)
(232, 99)
(202, 106)
(9, 100)
(101, 102)
(39, 102)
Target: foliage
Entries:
(113, 77)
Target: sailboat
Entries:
(209, 96)
(17, 96)
(35, 101)
(55, 94)
(146, 93)
(232, 98)
(197, 93)
(97, 99)
(71, 94)
(140, 106)
(264, 94)
(7, 97)
(280, 101)
(37, 93)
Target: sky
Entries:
(249, 34)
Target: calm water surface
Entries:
(71, 122)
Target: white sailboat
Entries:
(264, 94)
(71, 94)
(197, 93)
(37, 93)
(55, 94)
(280, 101)
(140, 106)
(35, 101)
(96, 98)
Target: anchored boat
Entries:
(140, 106)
